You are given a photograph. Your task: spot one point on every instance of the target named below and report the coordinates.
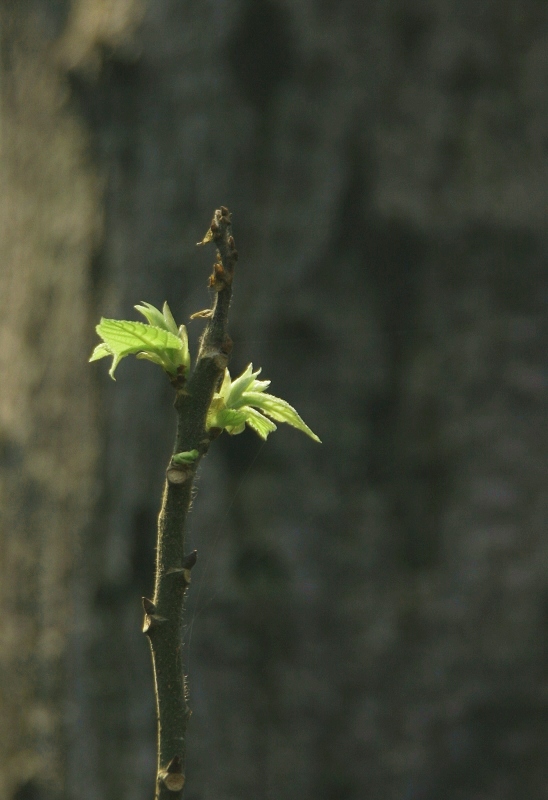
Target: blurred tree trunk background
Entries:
(368, 617)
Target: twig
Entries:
(163, 622)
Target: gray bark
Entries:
(366, 618)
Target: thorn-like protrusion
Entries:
(180, 571)
(172, 776)
(190, 560)
(148, 606)
(184, 570)
(151, 619)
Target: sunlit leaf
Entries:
(123, 337)
(238, 387)
(230, 419)
(185, 352)
(258, 386)
(279, 410)
(160, 319)
(225, 385)
(101, 351)
(153, 315)
(234, 430)
(162, 360)
(258, 422)
(244, 401)
(170, 322)
(115, 361)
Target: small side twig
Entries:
(163, 622)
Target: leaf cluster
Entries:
(159, 341)
(243, 401)
(239, 402)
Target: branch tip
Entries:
(221, 215)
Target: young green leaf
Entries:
(163, 361)
(278, 409)
(101, 351)
(185, 352)
(229, 419)
(259, 423)
(160, 319)
(244, 401)
(170, 322)
(123, 337)
(238, 386)
(153, 315)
